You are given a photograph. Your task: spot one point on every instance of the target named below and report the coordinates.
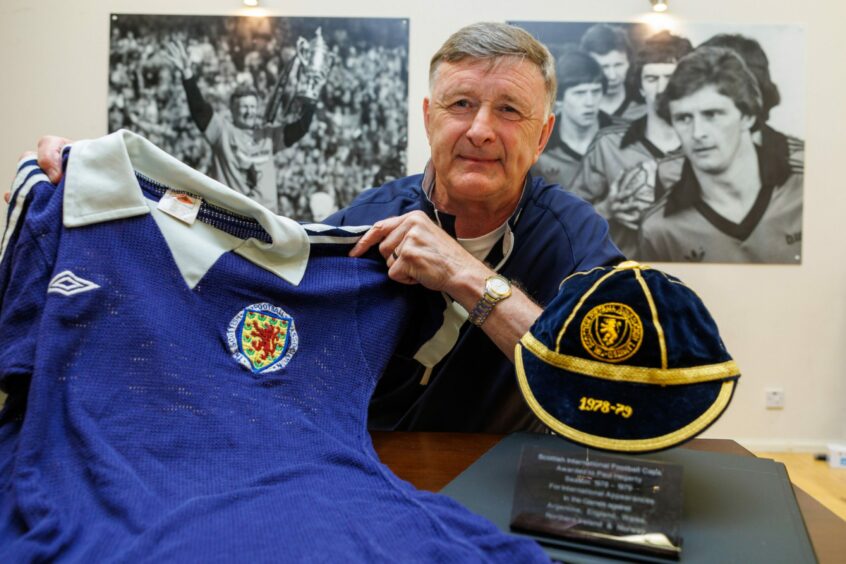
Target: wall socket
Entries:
(774, 398)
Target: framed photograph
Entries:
(301, 114)
(689, 140)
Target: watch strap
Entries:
(481, 310)
(486, 303)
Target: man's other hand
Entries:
(418, 251)
(50, 156)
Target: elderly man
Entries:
(477, 228)
(735, 201)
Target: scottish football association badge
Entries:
(611, 332)
(262, 337)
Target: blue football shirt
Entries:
(189, 375)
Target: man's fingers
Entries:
(376, 234)
(392, 229)
(397, 274)
(50, 156)
(629, 212)
(416, 250)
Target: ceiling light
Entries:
(659, 5)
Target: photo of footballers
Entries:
(688, 140)
(300, 114)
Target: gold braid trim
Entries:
(639, 374)
(662, 342)
(576, 309)
(622, 445)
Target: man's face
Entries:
(580, 104)
(653, 80)
(615, 65)
(486, 126)
(246, 112)
(711, 129)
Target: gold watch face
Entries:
(498, 287)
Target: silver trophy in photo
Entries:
(303, 78)
(316, 60)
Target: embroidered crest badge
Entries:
(262, 337)
(611, 332)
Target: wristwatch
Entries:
(497, 288)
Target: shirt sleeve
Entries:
(201, 111)
(27, 254)
(207, 120)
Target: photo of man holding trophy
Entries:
(243, 148)
(298, 114)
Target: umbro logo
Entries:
(67, 283)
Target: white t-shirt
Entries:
(479, 247)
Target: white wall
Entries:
(785, 325)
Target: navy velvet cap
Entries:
(625, 359)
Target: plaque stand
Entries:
(628, 503)
(735, 508)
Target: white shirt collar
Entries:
(100, 186)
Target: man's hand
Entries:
(50, 156)
(177, 54)
(419, 252)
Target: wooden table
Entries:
(431, 460)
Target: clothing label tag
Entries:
(181, 206)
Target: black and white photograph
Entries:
(299, 113)
(688, 140)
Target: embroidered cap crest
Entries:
(263, 338)
(611, 332)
